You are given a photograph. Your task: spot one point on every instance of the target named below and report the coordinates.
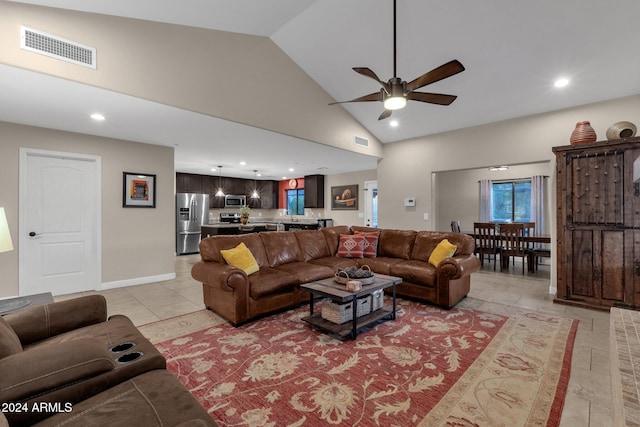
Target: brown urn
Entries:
(583, 133)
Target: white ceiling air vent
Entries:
(361, 142)
(56, 47)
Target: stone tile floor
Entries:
(588, 401)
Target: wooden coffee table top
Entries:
(338, 291)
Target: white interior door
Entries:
(59, 222)
(371, 204)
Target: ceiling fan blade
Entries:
(376, 96)
(442, 72)
(367, 72)
(432, 98)
(385, 114)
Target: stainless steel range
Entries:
(230, 218)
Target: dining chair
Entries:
(513, 244)
(455, 226)
(486, 242)
(536, 254)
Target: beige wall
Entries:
(341, 217)
(242, 78)
(457, 193)
(407, 166)
(138, 245)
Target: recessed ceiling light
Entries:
(499, 168)
(393, 123)
(213, 169)
(284, 177)
(290, 169)
(97, 116)
(258, 174)
(243, 163)
(561, 82)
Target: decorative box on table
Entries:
(377, 300)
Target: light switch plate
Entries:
(426, 216)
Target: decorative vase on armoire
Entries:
(583, 133)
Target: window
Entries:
(511, 201)
(295, 202)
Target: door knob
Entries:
(33, 233)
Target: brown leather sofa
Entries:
(66, 362)
(289, 259)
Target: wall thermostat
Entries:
(411, 201)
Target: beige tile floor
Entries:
(588, 401)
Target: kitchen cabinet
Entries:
(314, 191)
(598, 224)
(188, 183)
(209, 184)
(268, 191)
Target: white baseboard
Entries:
(136, 281)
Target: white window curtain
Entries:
(538, 204)
(485, 200)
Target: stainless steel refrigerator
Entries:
(192, 211)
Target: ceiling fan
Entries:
(395, 93)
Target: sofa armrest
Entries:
(35, 372)
(222, 276)
(44, 321)
(458, 266)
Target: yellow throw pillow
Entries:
(241, 257)
(442, 251)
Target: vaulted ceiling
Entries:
(513, 52)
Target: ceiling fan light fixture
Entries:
(395, 103)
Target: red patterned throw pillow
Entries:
(351, 246)
(371, 240)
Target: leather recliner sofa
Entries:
(289, 259)
(67, 363)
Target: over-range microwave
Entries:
(233, 201)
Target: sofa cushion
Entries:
(418, 272)
(396, 243)
(152, 399)
(269, 281)
(211, 246)
(351, 246)
(332, 236)
(381, 265)
(426, 242)
(442, 251)
(371, 242)
(241, 257)
(306, 272)
(312, 244)
(334, 262)
(281, 248)
(9, 341)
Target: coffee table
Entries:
(337, 292)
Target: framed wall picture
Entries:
(138, 190)
(344, 197)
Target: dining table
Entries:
(542, 239)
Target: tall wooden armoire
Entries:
(598, 223)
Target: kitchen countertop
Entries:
(286, 222)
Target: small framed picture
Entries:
(344, 197)
(138, 190)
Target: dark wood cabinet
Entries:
(209, 184)
(314, 191)
(598, 223)
(188, 183)
(268, 191)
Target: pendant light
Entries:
(255, 194)
(220, 193)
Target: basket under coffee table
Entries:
(337, 292)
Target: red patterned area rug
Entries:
(429, 367)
